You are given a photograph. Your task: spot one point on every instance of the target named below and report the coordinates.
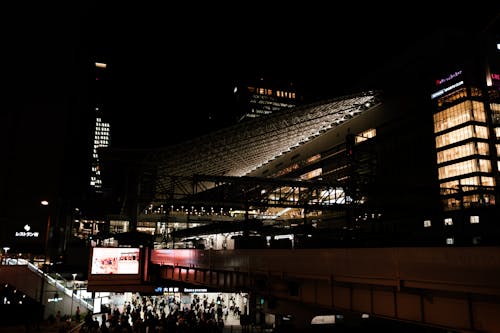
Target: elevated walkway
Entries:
(454, 288)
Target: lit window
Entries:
(448, 221)
(427, 223)
(450, 241)
(474, 219)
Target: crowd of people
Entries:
(155, 314)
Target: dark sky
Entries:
(174, 66)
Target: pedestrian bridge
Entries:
(454, 288)
(55, 294)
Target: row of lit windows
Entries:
(312, 174)
(368, 134)
(459, 114)
(468, 201)
(102, 132)
(458, 94)
(101, 143)
(464, 167)
(461, 134)
(98, 121)
(468, 149)
(465, 183)
(474, 219)
(269, 92)
(313, 158)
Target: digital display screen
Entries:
(115, 260)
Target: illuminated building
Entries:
(466, 160)
(101, 138)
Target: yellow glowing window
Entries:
(465, 167)
(461, 134)
(459, 114)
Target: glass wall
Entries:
(462, 134)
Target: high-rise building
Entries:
(101, 137)
(466, 131)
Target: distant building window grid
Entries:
(101, 139)
(271, 92)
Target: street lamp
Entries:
(47, 232)
(45, 247)
(5, 249)
(72, 294)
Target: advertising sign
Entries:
(115, 260)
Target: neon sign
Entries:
(448, 78)
(444, 90)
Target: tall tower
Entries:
(101, 137)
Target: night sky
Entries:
(172, 69)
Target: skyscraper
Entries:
(101, 137)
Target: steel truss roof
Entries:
(240, 149)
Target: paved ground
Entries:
(232, 326)
(43, 328)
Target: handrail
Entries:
(56, 283)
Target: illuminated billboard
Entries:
(112, 260)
